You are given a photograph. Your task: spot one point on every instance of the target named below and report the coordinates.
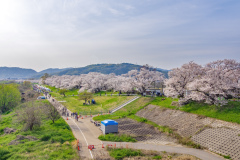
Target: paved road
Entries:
(88, 134)
(202, 154)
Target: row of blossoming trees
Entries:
(213, 83)
(133, 81)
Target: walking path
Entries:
(202, 154)
(87, 134)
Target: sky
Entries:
(42, 34)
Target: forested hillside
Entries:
(49, 71)
(102, 68)
(118, 69)
(15, 72)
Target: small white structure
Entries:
(109, 126)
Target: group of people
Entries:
(75, 115)
(63, 110)
(96, 123)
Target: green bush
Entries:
(227, 157)
(121, 153)
(4, 154)
(117, 138)
(57, 139)
(1, 131)
(157, 157)
(46, 137)
(143, 120)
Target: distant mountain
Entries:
(164, 71)
(118, 69)
(50, 71)
(15, 73)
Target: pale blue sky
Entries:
(40, 34)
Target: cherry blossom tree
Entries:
(143, 79)
(179, 78)
(220, 82)
(214, 83)
(95, 82)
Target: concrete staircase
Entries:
(124, 104)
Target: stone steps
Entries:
(124, 104)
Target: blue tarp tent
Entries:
(109, 126)
(108, 122)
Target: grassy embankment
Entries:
(120, 153)
(128, 111)
(229, 112)
(131, 109)
(103, 103)
(117, 138)
(55, 140)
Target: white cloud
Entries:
(80, 32)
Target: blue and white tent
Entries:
(109, 126)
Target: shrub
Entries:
(1, 131)
(4, 154)
(45, 138)
(57, 139)
(227, 157)
(121, 153)
(157, 157)
(188, 142)
(117, 138)
(143, 120)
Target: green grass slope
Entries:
(54, 141)
(229, 112)
(103, 103)
(127, 111)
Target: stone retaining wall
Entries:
(216, 135)
(143, 132)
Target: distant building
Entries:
(157, 91)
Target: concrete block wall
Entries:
(185, 124)
(143, 132)
(216, 135)
(224, 141)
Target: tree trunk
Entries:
(31, 127)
